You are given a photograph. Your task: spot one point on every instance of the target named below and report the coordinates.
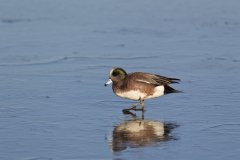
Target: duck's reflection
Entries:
(140, 133)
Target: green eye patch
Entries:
(118, 71)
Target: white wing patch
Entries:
(140, 80)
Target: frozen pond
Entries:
(55, 57)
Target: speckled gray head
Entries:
(116, 74)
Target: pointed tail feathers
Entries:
(168, 89)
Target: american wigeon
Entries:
(139, 85)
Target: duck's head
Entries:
(116, 75)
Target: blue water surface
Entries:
(55, 57)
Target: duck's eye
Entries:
(116, 73)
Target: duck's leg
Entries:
(141, 102)
(133, 107)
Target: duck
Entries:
(139, 86)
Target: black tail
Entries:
(168, 89)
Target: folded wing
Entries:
(153, 79)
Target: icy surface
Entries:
(55, 57)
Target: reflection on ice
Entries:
(139, 133)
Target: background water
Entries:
(55, 57)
